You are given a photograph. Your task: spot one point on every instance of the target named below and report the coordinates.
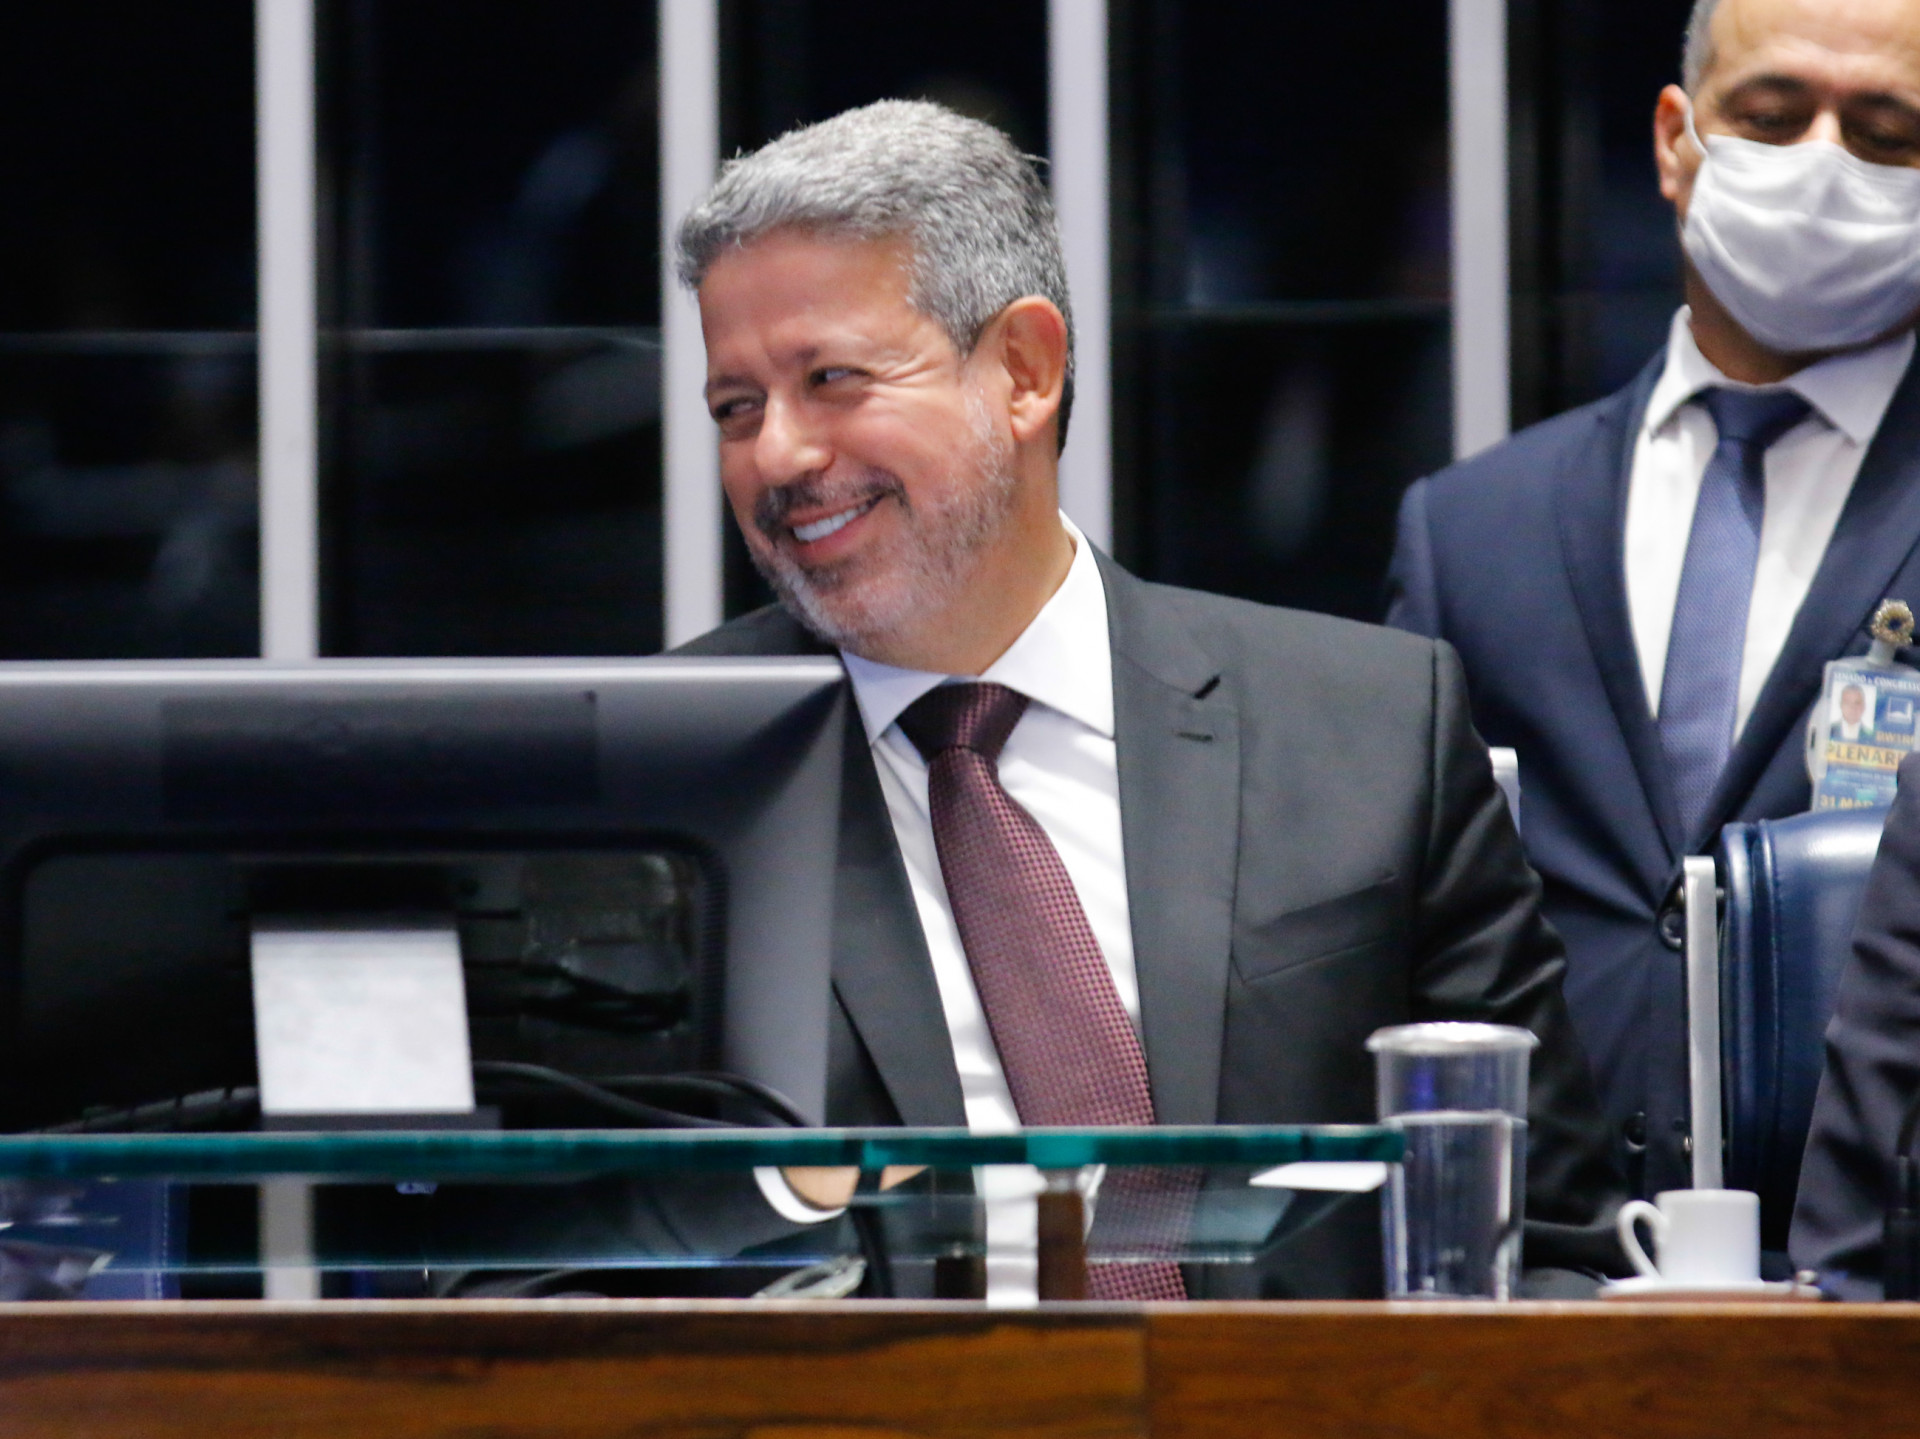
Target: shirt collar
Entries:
(1851, 390)
(1061, 660)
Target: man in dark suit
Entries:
(1676, 563)
(1872, 1076)
(1241, 838)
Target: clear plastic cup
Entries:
(1452, 1220)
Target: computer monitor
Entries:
(638, 856)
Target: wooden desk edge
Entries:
(596, 1369)
(1142, 1313)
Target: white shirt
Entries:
(1060, 765)
(1809, 473)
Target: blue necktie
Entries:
(1700, 690)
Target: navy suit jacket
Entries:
(1516, 557)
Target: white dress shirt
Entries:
(1060, 765)
(1809, 473)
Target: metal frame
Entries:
(287, 1269)
(1700, 903)
(1077, 112)
(1482, 327)
(690, 507)
(692, 512)
(289, 330)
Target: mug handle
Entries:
(1630, 1212)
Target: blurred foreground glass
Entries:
(1452, 1221)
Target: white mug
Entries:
(1703, 1236)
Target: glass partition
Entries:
(1281, 290)
(128, 514)
(1596, 251)
(490, 426)
(446, 1212)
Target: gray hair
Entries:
(973, 207)
(1697, 56)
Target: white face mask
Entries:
(1809, 247)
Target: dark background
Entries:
(490, 437)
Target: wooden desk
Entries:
(593, 1370)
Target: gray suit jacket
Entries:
(1315, 847)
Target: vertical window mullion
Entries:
(1482, 343)
(691, 518)
(1077, 108)
(289, 390)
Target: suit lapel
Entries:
(1873, 539)
(1178, 738)
(1592, 509)
(881, 968)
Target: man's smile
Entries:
(819, 529)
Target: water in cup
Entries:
(1452, 1221)
(1455, 1205)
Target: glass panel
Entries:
(498, 1154)
(477, 1212)
(1279, 475)
(128, 516)
(1281, 274)
(491, 440)
(791, 62)
(1596, 261)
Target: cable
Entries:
(767, 1100)
(652, 1115)
(241, 1104)
(202, 1109)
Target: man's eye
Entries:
(1877, 143)
(731, 415)
(1776, 123)
(830, 374)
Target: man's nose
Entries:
(1826, 126)
(790, 443)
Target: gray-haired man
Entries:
(1113, 853)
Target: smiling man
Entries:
(897, 495)
(1677, 563)
(1112, 853)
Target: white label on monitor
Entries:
(368, 1021)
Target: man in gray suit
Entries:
(1112, 852)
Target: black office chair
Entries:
(1760, 991)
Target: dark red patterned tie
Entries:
(1069, 1051)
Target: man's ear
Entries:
(1674, 153)
(1030, 336)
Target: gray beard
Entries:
(922, 576)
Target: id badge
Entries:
(1864, 722)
